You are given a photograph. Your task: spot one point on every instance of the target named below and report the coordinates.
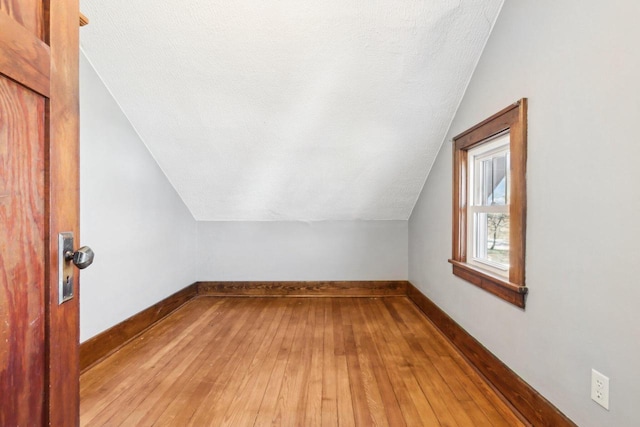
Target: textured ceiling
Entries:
(290, 109)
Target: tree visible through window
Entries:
(489, 204)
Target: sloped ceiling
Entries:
(290, 109)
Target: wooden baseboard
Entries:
(377, 288)
(524, 398)
(105, 343)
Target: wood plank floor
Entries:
(290, 362)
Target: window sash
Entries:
(479, 191)
(473, 244)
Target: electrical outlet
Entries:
(600, 389)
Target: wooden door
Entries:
(38, 199)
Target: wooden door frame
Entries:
(63, 212)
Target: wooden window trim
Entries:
(514, 119)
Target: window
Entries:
(489, 204)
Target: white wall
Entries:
(141, 231)
(330, 250)
(578, 62)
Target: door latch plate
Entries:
(65, 267)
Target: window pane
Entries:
(498, 238)
(487, 178)
(499, 180)
(480, 235)
(491, 238)
(508, 178)
(492, 180)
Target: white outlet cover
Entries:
(600, 389)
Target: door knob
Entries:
(67, 258)
(82, 258)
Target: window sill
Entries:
(499, 287)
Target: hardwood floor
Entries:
(290, 362)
